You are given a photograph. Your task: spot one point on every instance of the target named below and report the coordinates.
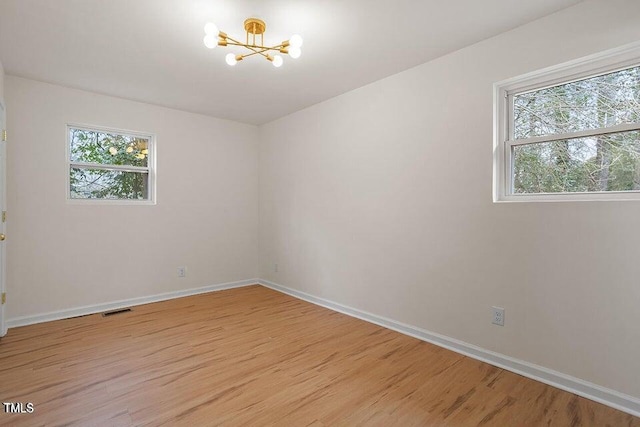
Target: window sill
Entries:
(609, 196)
(115, 202)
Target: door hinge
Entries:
(4, 297)
(4, 216)
(4, 134)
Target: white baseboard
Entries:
(114, 305)
(612, 398)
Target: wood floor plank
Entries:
(253, 356)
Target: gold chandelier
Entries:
(253, 27)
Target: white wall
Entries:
(63, 255)
(381, 199)
(1, 81)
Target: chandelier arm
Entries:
(237, 43)
(251, 46)
(260, 50)
(256, 53)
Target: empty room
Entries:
(319, 213)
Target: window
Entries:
(571, 132)
(109, 165)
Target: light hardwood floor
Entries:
(253, 356)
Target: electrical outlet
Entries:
(182, 271)
(275, 268)
(498, 316)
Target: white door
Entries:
(3, 164)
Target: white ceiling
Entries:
(152, 50)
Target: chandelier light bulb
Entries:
(296, 41)
(210, 41)
(231, 59)
(295, 52)
(277, 61)
(211, 28)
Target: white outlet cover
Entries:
(497, 316)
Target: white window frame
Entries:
(602, 63)
(150, 169)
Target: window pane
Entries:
(597, 102)
(108, 148)
(108, 184)
(601, 163)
